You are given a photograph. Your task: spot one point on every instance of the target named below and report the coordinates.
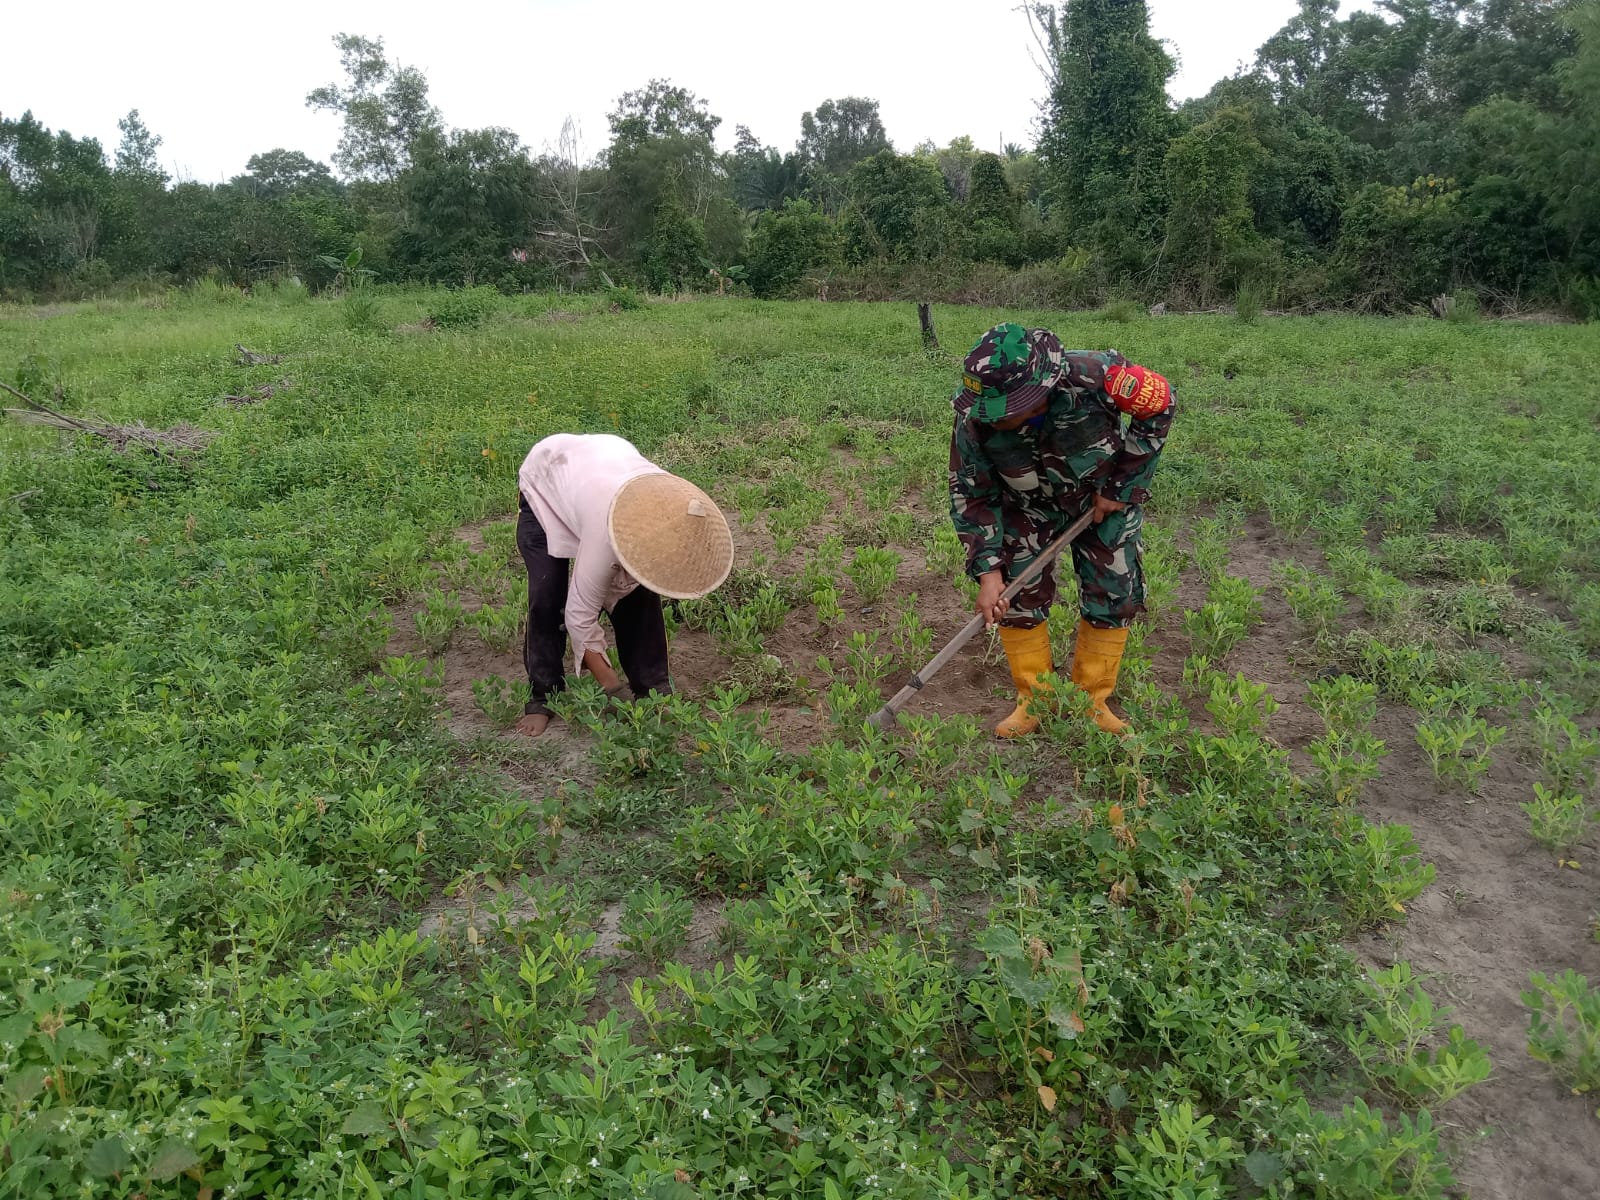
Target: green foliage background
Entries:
(1370, 161)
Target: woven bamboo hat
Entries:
(670, 536)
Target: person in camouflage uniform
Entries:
(1039, 440)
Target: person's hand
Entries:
(989, 606)
(598, 665)
(532, 724)
(1104, 506)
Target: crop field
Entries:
(286, 911)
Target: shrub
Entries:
(464, 308)
(787, 244)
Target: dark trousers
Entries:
(636, 621)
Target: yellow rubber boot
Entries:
(1095, 661)
(1028, 652)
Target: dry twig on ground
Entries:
(181, 438)
(254, 358)
(262, 391)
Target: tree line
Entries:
(1372, 161)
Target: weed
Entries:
(464, 307)
(1121, 311)
(1248, 301)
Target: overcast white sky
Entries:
(219, 82)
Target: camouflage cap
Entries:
(1009, 371)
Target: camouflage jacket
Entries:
(1026, 476)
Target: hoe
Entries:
(887, 714)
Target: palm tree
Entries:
(768, 180)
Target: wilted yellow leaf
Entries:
(1047, 1097)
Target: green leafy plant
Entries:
(872, 570)
(1567, 755)
(500, 699)
(1314, 601)
(1564, 1027)
(1391, 1042)
(1459, 747)
(1557, 821)
(499, 625)
(440, 615)
(655, 922)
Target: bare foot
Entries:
(533, 724)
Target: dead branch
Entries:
(571, 239)
(262, 391)
(254, 358)
(182, 438)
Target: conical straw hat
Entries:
(670, 536)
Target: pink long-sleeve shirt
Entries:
(570, 481)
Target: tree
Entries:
(1209, 228)
(274, 174)
(660, 109)
(993, 214)
(385, 109)
(569, 235)
(136, 154)
(955, 164)
(1106, 125)
(767, 180)
(468, 204)
(674, 253)
(899, 208)
(840, 133)
(661, 159)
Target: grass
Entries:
(946, 967)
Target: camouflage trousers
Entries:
(1105, 556)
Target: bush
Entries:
(464, 308)
(1398, 245)
(1247, 302)
(1121, 311)
(787, 244)
(1464, 307)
